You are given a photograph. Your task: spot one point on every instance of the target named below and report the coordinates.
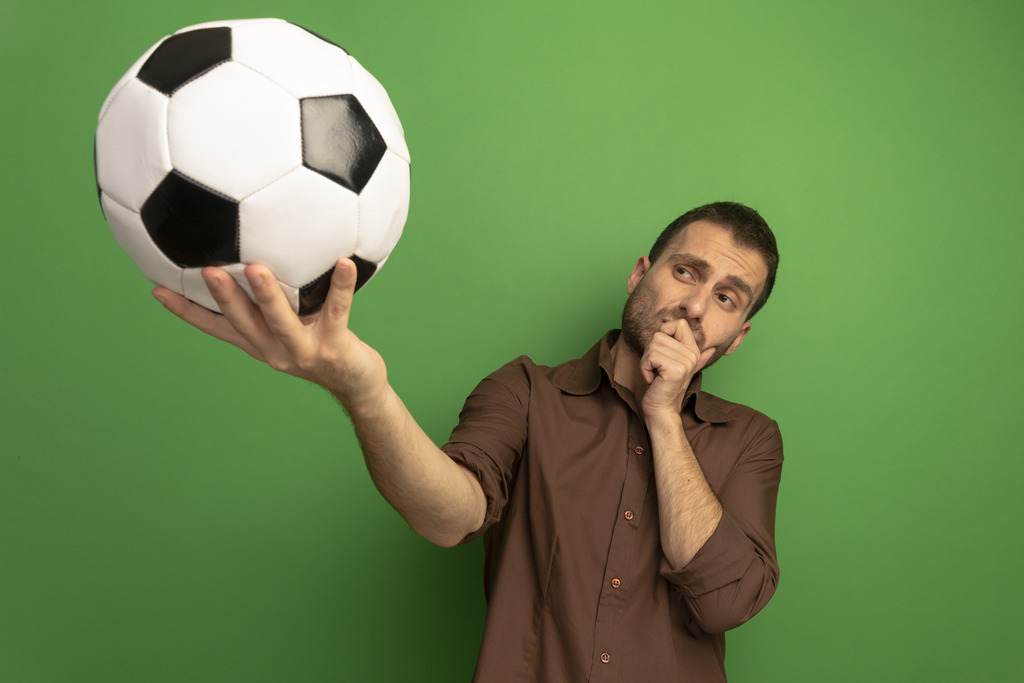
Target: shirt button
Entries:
(628, 514)
(616, 583)
(605, 657)
(639, 450)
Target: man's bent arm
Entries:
(736, 571)
(688, 511)
(719, 550)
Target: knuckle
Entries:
(335, 311)
(278, 329)
(280, 364)
(306, 364)
(332, 357)
(263, 296)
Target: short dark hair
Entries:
(747, 228)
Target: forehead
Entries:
(715, 245)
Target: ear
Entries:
(739, 338)
(643, 264)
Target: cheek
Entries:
(723, 334)
(736, 340)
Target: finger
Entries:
(674, 348)
(192, 313)
(705, 357)
(235, 305)
(647, 369)
(334, 315)
(662, 354)
(680, 331)
(202, 318)
(667, 352)
(280, 319)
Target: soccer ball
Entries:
(251, 141)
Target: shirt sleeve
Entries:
(491, 435)
(736, 572)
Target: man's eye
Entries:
(726, 300)
(684, 272)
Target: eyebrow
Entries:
(733, 280)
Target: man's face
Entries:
(704, 277)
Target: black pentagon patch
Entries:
(184, 56)
(340, 141)
(312, 296)
(192, 225)
(364, 271)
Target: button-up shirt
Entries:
(577, 586)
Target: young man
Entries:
(629, 516)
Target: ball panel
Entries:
(131, 144)
(340, 141)
(378, 105)
(313, 295)
(299, 226)
(128, 77)
(234, 130)
(364, 271)
(284, 52)
(383, 204)
(131, 235)
(193, 226)
(184, 56)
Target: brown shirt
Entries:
(577, 586)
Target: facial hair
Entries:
(640, 320)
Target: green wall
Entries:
(172, 511)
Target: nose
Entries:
(695, 304)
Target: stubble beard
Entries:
(640, 321)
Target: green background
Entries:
(171, 510)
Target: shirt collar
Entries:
(585, 376)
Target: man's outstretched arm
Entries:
(439, 499)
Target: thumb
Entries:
(705, 357)
(338, 304)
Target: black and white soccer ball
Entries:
(251, 141)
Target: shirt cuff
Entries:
(492, 485)
(723, 559)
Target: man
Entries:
(629, 516)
